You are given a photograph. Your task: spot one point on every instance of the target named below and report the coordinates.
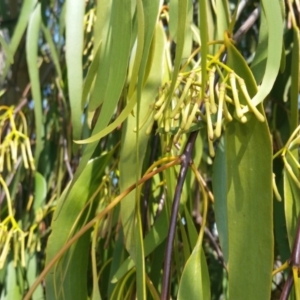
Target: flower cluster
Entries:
(194, 102)
(14, 147)
(14, 140)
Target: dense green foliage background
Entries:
(149, 149)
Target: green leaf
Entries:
(14, 283)
(40, 190)
(258, 64)
(195, 283)
(60, 282)
(116, 70)
(272, 10)
(249, 205)
(90, 77)
(152, 240)
(220, 192)
(204, 39)
(102, 32)
(181, 30)
(32, 273)
(295, 79)
(139, 48)
(128, 170)
(32, 62)
(291, 197)
(222, 19)
(74, 48)
(173, 26)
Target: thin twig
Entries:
(186, 159)
(287, 287)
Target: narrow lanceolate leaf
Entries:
(128, 163)
(248, 174)
(19, 30)
(68, 217)
(32, 61)
(32, 273)
(90, 77)
(195, 283)
(138, 76)
(153, 239)
(14, 282)
(222, 19)
(258, 64)
(249, 204)
(102, 32)
(291, 196)
(220, 191)
(140, 47)
(188, 37)
(295, 81)
(74, 46)
(204, 40)
(116, 70)
(272, 10)
(181, 30)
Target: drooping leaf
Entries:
(295, 80)
(40, 190)
(74, 48)
(220, 191)
(195, 283)
(291, 197)
(32, 273)
(128, 154)
(117, 68)
(272, 10)
(32, 62)
(14, 284)
(66, 274)
(249, 206)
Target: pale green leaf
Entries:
(40, 190)
(249, 205)
(220, 191)
(153, 239)
(102, 32)
(128, 154)
(180, 41)
(74, 48)
(32, 39)
(272, 10)
(90, 77)
(195, 283)
(295, 79)
(32, 273)
(204, 39)
(68, 271)
(14, 284)
(291, 198)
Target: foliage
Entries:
(149, 149)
